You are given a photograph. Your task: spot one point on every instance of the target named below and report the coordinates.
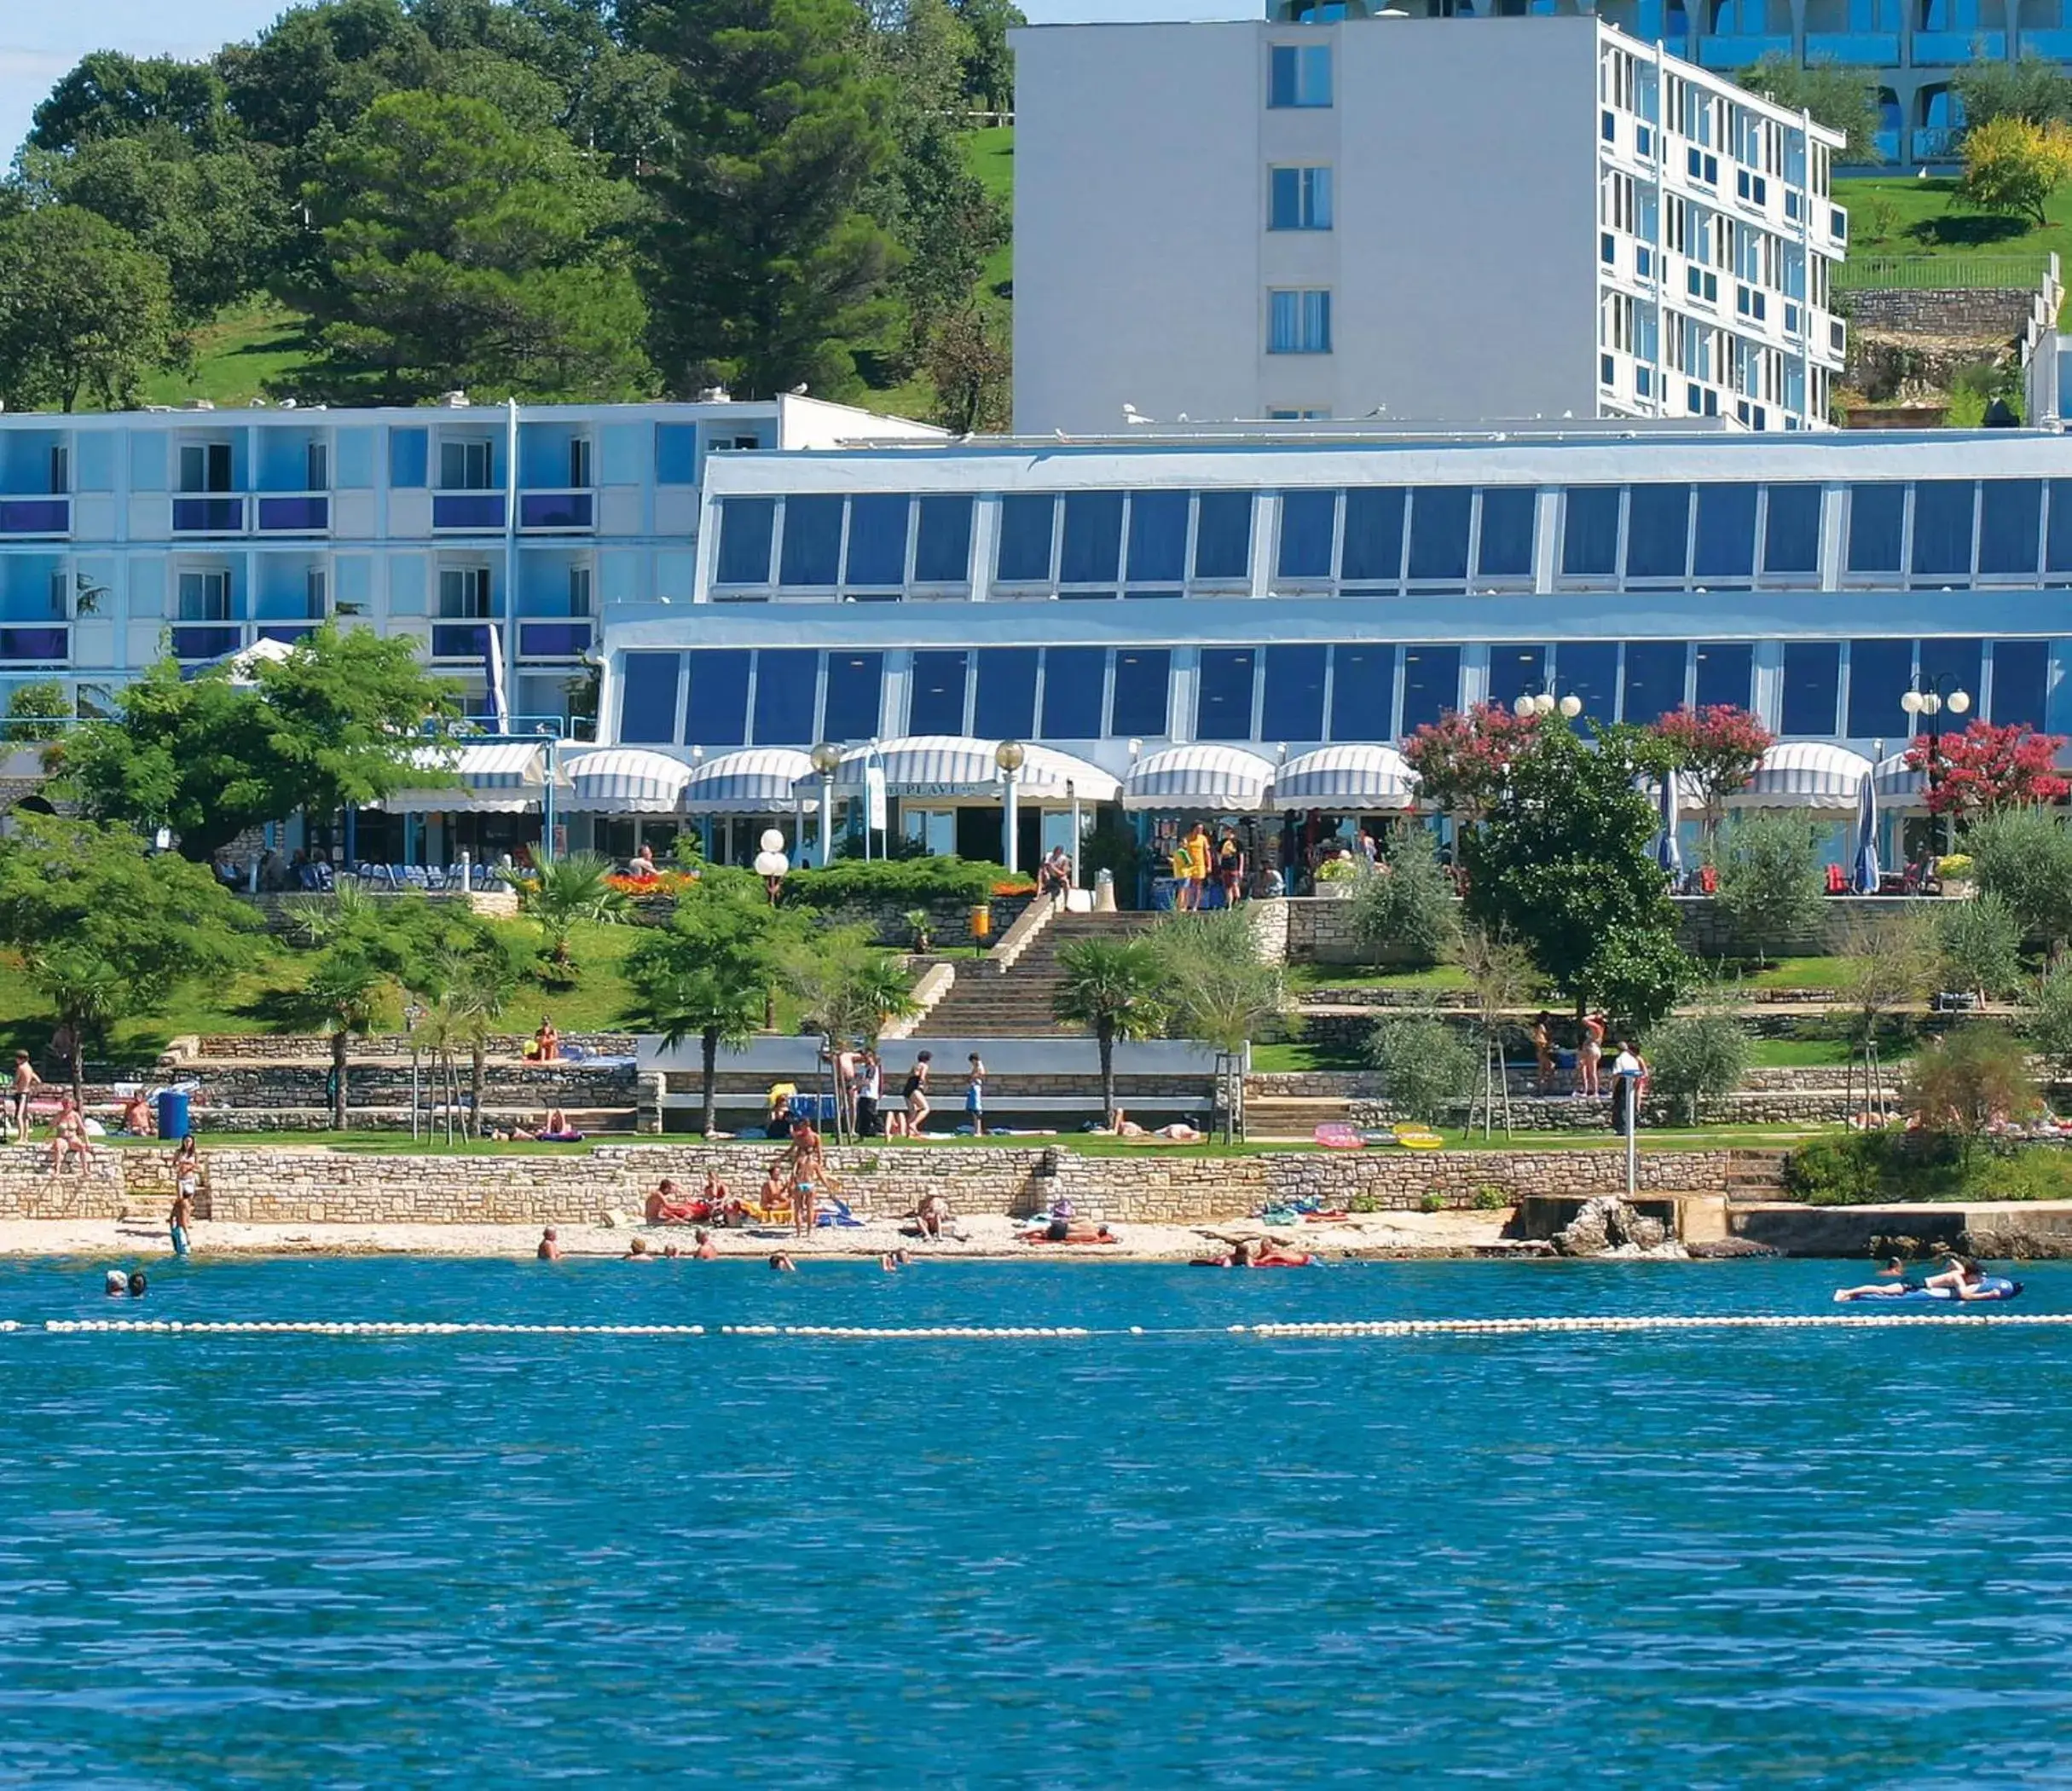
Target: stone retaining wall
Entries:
(314, 1047)
(1988, 313)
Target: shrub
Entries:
(1866, 1168)
(1697, 1057)
(1976, 1078)
(1426, 1065)
(2049, 1021)
(901, 882)
(1431, 1201)
(1337, 871)
(1489, 1198)
(1954, 864)
(1410, 904)
(1770, 886)
(1981, 944)
(2025, 855)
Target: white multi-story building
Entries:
(1388, 216)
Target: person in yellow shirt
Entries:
(1197, 865)
(1183, 872)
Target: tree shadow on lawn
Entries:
(1966, 230)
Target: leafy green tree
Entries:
(769, 266)
(562, 894)
(849, 989)
(2048, 1022)
(1116, 987)
(707, 975)
(1965, 1084)
(1409, 903)
(461, 250)
(1695, 1057)
(108, 930)
(970, 363)
(2012, 167)
(337, 722)
(1982, 946)
(1427, 1067)
(989, 62)
(35, 710)
(84, 310)
(470, 973)
(1501, 976)
(1770, 886)
(110, 94)
(2024, 855)
(1219, 989)
(2034, 89)
(313, 74)
(1841, 97)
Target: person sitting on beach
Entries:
(934, 1213)
(137, 1116)
(550, 1246)
(558, 1130)
(779, 1124)
(69, 1138)
(638, 1252)
(782, 1264)
(714, 1194)
(548, 1040)
(705, 1250)
(774, 1194)
(668, 1205)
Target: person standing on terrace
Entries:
(24, 1085)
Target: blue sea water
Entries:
(1802, 1558)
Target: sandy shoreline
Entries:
(1372, 1234)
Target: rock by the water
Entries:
(1722, 1249)
(1606, 1226)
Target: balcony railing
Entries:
(1859, 49)
(206, 640)
(460, 640)
(556, 510)
(1954, 48)
(208, 515)
(1737, 52)
(38, 646)
(553, 640)
(2055, 44)
(1937, 142)
(472, 510)
(35, 516)
(301, 513)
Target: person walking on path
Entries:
(1198, 855)
(974, 1096)
(917, 1095)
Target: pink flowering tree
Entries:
(1462, 759)
(1987, 768)
(1717, 749)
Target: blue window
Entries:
(1431, 685)
(854, 681)
(1725, 674)
(1093, 539)
(2009, 519)
(1515, 670)
(1373, 536)
(648, 691)
(1508, 514)
(1589, 669)
(1658, 528)
(1654, 676)
(1026, 525)
(1292, 705)
(936, 705)
(1299, 199)
(1812, 683)
(787, 682)
(1725, 543)
(1140, 704)
(409, 458)
(1003, 705)
(717, 713)
(2020, 681)
(1307, 520)
(1792, 529)
(942, 554)
(676, 454)
(1879, 674)
(812, 541)
(1942, 527)
(1158, 537)
(744, 540)
(1299, 74)
(1074, 680)
(1223, 705)
(877, 541)
(1439, 516)
(1955, 663)
(1362, 691)
(1876, 518)
(1589, 531)
(1298, 320)
(2057, 551)
(1223, 535)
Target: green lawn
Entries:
(991, 156)
(1321, 979)
(1889, 216)
(235, 356)
(1292, 1055)
(1798, 973)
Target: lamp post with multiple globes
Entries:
(1930, 694)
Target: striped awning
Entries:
(497, 778)
(757, 781)
(1804, 774)
(952, 766)
(1355, 775)
(625, 780)
(1222, 779)
(1900, 786)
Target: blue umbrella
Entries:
(1668, 853)
(1865, 876)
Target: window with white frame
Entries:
(1299, 199)
(465, 466)
(1298, 75)
(205, 467)
(317, 591)
(1615, 202)
(316, 466)
(1298, 320)
(579, 591)
(204, 595)
(464, 593)
(579, 462)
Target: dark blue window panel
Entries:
(649, 687)
(676, 453)
(553, 640)
(1514, 671)
(2021, 682)
(1307, 518)
(1093, 539)
(717, 713)
(942, 553)
(43, 515)
(1431, 685)
(1880, 672)
(536, 510)
(1508, 514)
(744, 540)
(936, 705)
(1223, 703)
(1293, 706)
(1792, 529)
(51, 646)
(1942, 527)
(451, 640)
(1440, 515)
(1725, 674)
(1026, 526)
(1658, 525)
(1812, 685)
(476, 510)
(1142, 676)
(1223, 535)
(2057, 551)
(1589, 531)
(1877, 514)
(288, 633)
(1726, 543)
(1158, 537)
(409, 458)
(854, 682)
(1073, 688)
(226, 516)
(1654, 674)
(2010, 521)
(1589, 669)
(1362, 691)
(285, 516)
(787, 682)
(812, 552)
(1003, 706)
(877, 541)
(1956, 662)
(1373, 534)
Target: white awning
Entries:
(952, 765)
(1355, 775)
(1899, 787)
(1219, 779)
(1804, 774)
(755, 781)
(626, 781)
(496, 777)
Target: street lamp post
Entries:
(1009, 756)
(1072, 794)
(1931, 695)
(771, 864)
(1545, 702)
(826, 757)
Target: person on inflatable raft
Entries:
(1962, 1280)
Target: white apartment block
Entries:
(1389, 217)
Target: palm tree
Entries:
(564, 893)
(1114, 986)
(344, 994)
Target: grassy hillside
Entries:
(1890, 217)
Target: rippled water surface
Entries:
(1790, 1557)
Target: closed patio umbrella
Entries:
(1865, 878)
(1668, 853)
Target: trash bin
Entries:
(173, 1120)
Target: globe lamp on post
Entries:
(1009, 756)
(826, 757)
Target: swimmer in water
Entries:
(116, 1285)
(706, 1249)
(638, 1252)
(137, 1284)
(782, 1264)
(550, 1246)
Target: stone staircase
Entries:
(985, 1004)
